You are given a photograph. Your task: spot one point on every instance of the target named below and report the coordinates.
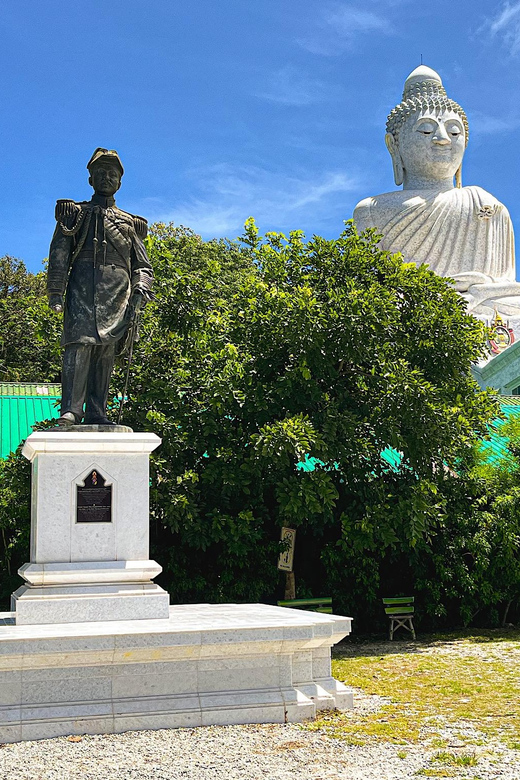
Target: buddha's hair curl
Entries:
(424, 96)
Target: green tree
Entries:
(264, 356)
(493, 545)
(29, 331)
(15, 522)
(260, 355)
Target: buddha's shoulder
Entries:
(484, 198)
(376, 210)
(370, 211)
(391, 198)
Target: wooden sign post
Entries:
(286, 561)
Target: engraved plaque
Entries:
(94, 500)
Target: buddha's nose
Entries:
(441, 136)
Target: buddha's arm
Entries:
(465, 280)
(363, 215)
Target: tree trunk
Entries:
(7, 558)
(290, 586)
(506, 612)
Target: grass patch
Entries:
(472, 678)
(388, 725)
(453, 760)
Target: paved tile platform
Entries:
(206, 664)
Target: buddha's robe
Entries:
(464, 233)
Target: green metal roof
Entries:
(28, 389)
(495, 448)
(22, 405)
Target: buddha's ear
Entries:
(458, 177)
(393, 148)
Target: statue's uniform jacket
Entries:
(97, 277)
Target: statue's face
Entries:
(431, 146)
(105, 179)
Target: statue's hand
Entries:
(141, 296)
(136, 302)
(56, 302)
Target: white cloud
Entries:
(340, 26)
(349, 21)
(484, 124)
(292, 88)
(507, 26)
(274, 199)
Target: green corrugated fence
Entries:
(22, 405)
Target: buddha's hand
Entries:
(56, 302)
(464, 281)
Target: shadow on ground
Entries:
(379, 644)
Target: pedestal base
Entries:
(207, 664)
(84, 603)
(89, 529)
(89, 591)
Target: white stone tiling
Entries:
(206, 665)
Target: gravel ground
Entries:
(270, 752)
(261, 752)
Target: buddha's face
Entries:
(431, 146)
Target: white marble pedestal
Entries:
(92, 645)
(207, 664)
(89, 571)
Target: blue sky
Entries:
(221, 109)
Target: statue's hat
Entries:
(105, 156)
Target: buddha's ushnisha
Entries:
(460, 232)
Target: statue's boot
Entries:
(98, 421)
(68, 418)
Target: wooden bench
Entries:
(313, 605)
(400, 611)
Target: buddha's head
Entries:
(427, 133)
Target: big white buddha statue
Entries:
(460, 232)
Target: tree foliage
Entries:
(262, 355)
(15, 522)
(29, 332)
(278, 372)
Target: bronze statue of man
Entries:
(97, 259)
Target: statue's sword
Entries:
(133, 327)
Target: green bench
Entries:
(400, 611)
(312, 605)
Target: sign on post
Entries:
(285, 561)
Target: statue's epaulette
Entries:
(66, 209)
(140, 225)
